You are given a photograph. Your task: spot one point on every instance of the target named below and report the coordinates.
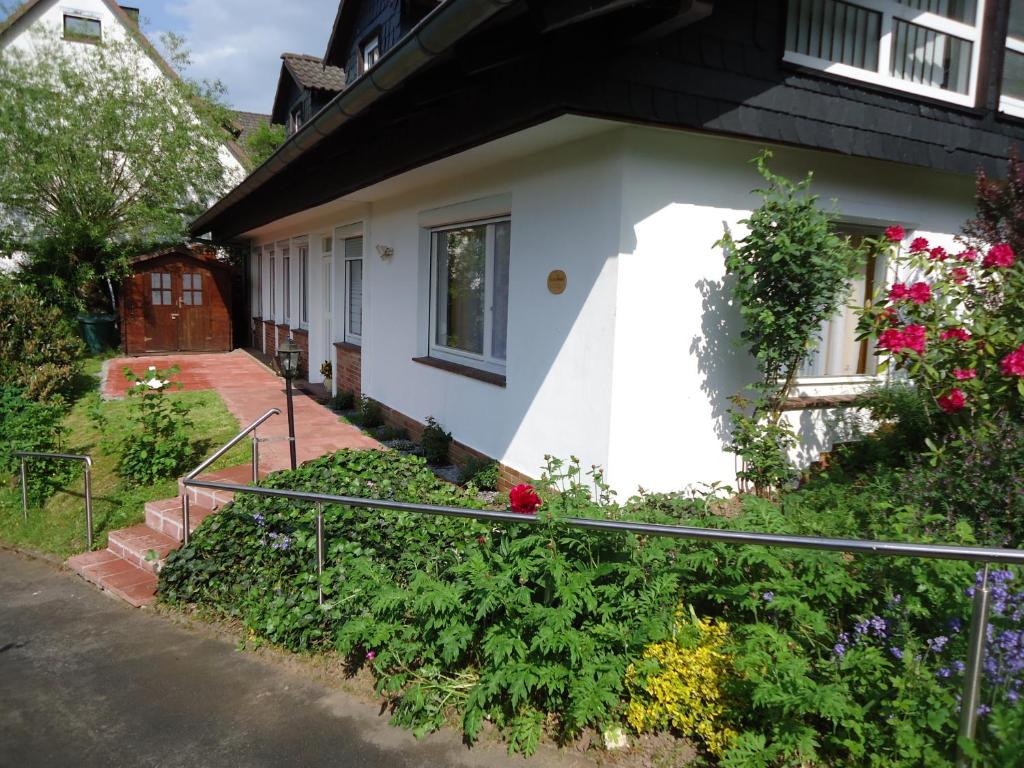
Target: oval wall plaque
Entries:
(556, 281)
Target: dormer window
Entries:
(84, 29)
(1012, 97)
(926, 47)
(295, 120)
(371, 52)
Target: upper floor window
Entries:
(295, 119)
(371, 52)
(82, 28)
(1012, 99)
(925, 47)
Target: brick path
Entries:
(127, 568)
(249, 389)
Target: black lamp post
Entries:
(288, 359)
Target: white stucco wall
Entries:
(632, 367)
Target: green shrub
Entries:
(388, 433)
(483, 473)
(40, 351)
(368, 415)
(343, 401)
(160, 446)
(29, 425)
(435, 443)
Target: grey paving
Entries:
(87, 681)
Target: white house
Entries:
(507, 220)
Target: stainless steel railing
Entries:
(87, 474)
(186, 504)
(982, 555)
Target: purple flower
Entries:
(896, 652)
(839, 650)
(279, 541)
(258, 518)
(936, 644)
(768, 596)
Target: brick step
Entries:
(211, 499)
(139, 543)
(164, 516)
(108, 571)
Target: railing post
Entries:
(88, 504)
(971, 697)
(184, 515)
(255, 459)
(24, 491)
(320, 552)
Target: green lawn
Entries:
(59, 527)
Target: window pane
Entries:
(921, 55)
(186, 298)
(354, 248)
(78, 26)
(1017, 20)
(156, 298)
(166, 276)
(167, 298)
(499, 327)
(834, 31)
(328, 244)
(1013, 75)
(304, 283)
(461, 263)
(154, 279)
(286, 283)
(964, 11)
(355, 296)
(197, 298)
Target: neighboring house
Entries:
(85, 22)
(507, 219)
(305, 86)
(245, 124)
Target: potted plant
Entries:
(327, 371)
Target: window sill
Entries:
(808, 403)
(487, 377)
(303, 331)
(347, 346)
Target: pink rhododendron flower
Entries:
(371, 655)
(914, 338)
(999, 256)
(898, 291)
(938, 253)
(895, 233)
(524, 499)
(960, 275)
(964, 374)
(920, 293)
(956, 334)
(952, 402)
(969, 255)
(918, 245)
(891, 339)
(1013, 363)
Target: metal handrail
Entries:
(983, 555)
(186, 504)
(87, 475)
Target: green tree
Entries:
(101, 158)
(263, 142)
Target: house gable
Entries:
(361, 22)
(304, 86)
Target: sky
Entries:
(240, 42)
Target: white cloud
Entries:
(240, 42)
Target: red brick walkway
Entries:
(249, 389)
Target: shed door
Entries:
(161, 289)
(196, 318)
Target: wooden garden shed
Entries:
(177, 300)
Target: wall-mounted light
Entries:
(385, 252)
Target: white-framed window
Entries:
(1011, 98)
(257, 279)
(271, 264)
(286, 284)
(371, 52)
(839, 353)
(926, 47)
(469, 269)
(303, 285)
(82, 28)
(353, 250)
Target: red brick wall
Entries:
(348, 370)
(271, 336)
(257, 333)
(301, 338)
(459, 453)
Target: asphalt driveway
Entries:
(87, 681)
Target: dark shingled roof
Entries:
(247, 122)
(310, 72)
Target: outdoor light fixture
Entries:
(288, 360)
(385, 252)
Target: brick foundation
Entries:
(459, 453)
(301, 338)
(348, 367)
(270, 336)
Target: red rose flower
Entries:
(920, 293)
(938, 253)
(895, 233)
(524, 499)
(970, 255)
(952, 402)
(960, 275)
(999, 256)
(964, 374)
(918, 245)
(898, 291)
(1013, 363)
(956, 334)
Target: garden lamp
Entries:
(288, 360)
